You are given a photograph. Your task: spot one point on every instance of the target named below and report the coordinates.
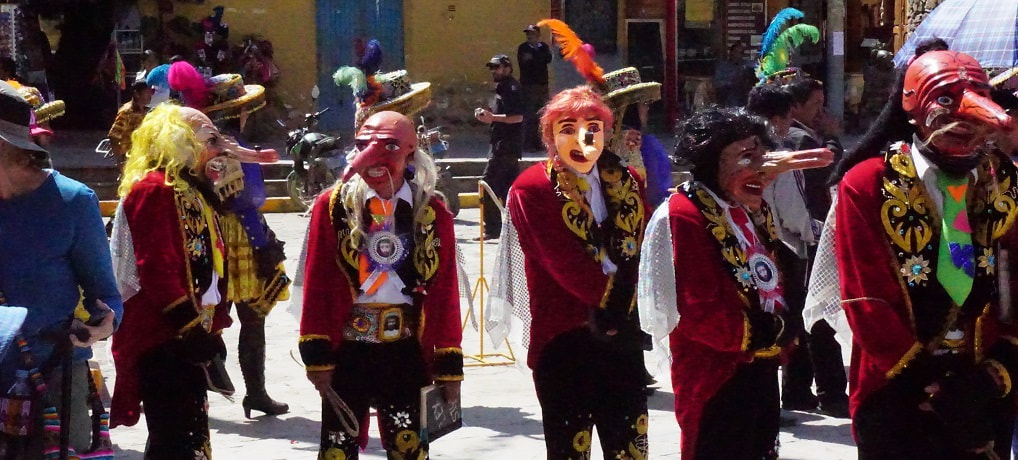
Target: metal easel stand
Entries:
(480, 293)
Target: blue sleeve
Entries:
(90, 255)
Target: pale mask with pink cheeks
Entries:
(579, 142)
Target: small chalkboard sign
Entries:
(438, 417)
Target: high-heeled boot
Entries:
(251, 352)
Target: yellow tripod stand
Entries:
(480, 293)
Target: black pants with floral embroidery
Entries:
(582, 383)
(175, 399)
(388, 377)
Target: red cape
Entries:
(708, 343)
(163, 271)
(872, 289)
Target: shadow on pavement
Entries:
(509, 421)
(299, 429)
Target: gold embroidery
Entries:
(904, 361)
(909, 232)
(425, 254)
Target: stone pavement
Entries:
(500, 409)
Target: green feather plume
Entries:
(776, 59)
(349, 75)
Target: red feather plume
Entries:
(573, 51)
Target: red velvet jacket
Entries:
(566, 284)
(881, 313)
(711, 339)
(165, 271)
(329, 296)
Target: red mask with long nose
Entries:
(385, 143)
(947, 95)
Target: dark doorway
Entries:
(644, 51)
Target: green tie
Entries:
(956, 259)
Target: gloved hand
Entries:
(196, 346)
(269, 257)
(961, 401)
(764, 329)
(789, 331)
(614, 326)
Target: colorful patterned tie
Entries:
(380, 218)
(956, 259)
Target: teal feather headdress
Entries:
(779, 42)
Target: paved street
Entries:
(499, 406)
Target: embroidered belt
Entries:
(381, 323)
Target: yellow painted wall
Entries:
(443, 45)
(288, 24)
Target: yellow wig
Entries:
(164, 140)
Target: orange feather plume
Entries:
(573, 51)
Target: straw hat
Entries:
(231, 97)
(398, 95)
(623, 87)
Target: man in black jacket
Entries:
(813, 128)
(533, 57)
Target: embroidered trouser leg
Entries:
(173, 393)
(741, 420)
(890, 425)
(582, 383)
(389, 377)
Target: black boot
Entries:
(251, 351)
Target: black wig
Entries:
(703, 136)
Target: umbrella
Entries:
(984, 29)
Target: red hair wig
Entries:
(580, 102)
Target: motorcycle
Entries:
(436, 144)
(318, 160)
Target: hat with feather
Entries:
(221, 97)
(619, 89)
(783, 36)
(374, 91)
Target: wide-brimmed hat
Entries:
(398, 95)
(44, 111)
(231, 97)
(16, 119)
(624, 87)
(11, 319)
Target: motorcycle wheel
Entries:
(295, 188)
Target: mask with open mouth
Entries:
(384, 144)
(738, 172)
(947, 97)
(579, 142)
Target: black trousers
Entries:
(890, 425)
(176, 406)
(818, 355)
(740, 422)
(388, 377)
(534, 98)
(582, 383)
(500, 173)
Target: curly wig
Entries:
(164, 140)
(703, 136)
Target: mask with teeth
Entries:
(738, 172)
(226, 176)
(384, 146)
